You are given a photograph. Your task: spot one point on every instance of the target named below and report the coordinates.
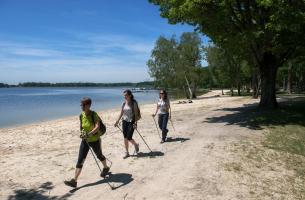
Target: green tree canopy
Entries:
(177, 64)
(264, 32)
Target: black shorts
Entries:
(127, 130)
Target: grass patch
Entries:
(272, 167)
(233, 166)
(286, 126)
(286, 132)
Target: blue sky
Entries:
(79, 40)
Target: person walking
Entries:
(164, 113)
(130, 114)
(90, 138)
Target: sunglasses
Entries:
(161, 93)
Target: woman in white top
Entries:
(130, 114)
(164, 113)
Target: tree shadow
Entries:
(152, 154)
(210, 97)
(121, 178)
(178, 139)
(40, 193)
(290, 111)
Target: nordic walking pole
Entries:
(112, 188)
(172, 124)
(140, 136)
(156, 126)
(144, 141)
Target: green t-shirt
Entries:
(88, 125)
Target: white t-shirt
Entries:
(163, 106)
(127, 112)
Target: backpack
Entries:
(102, 129)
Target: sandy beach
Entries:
(37, 158)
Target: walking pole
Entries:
(140, 136)
(112, 188)
(172, 124)
(122, 132)
(156, 127)
(144, 140)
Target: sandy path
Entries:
(36, 158)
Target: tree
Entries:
(163, 62)
(227, 69)
(269, 31)
(190, 56)
(217, 66)
(176, 64)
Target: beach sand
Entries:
(37, 158)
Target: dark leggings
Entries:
(83, 151)
(162, 121)
(127, 130)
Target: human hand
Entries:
(83, 135)
(135, 126)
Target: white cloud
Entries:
(23, 49)
(105, 58)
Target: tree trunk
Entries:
(222, 91)
(188, 85)
(232, 91)
(268, 71)
(255, 84)
(284, 83)
(194, 89)
(238, 89)
(186, 92)
(289, 79)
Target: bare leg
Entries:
(104, 163)
(133, 142)
(126, 144)
(77, 173)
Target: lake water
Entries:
(27, 105)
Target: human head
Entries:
(163, 94)
(86, 103)
(128, 95)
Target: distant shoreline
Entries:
(145, 84)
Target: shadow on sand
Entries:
(40, 193)
(291, 111)
(177, 139)
(121, 178)
(149, 154)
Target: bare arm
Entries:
(170, 110)
(121, 114)
(95, 129)
(157, 108)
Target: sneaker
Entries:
(71, 183)
(137, 148)
(105, 172)
(162, 141)
(126, 155)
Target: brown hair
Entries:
(165, 94)
(86, 101)
(129, 93)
